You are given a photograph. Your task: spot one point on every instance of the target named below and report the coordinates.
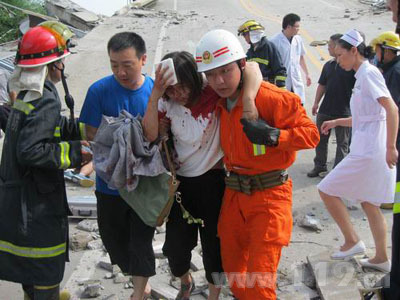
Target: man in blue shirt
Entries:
(127, 239)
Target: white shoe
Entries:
(358, 248)
(383, 267)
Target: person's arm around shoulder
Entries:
(290, 129)
(297, 130)
(252, 79)
(150, 121)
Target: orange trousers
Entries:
(253, 229)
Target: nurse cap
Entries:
(353, 37)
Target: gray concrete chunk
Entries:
(88, 225)
(196, 263)
(335, 279)
(161, 288)
(80, 240)
(105, 263)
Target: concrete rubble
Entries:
(72, 14)
(310, 222)
(304, 285)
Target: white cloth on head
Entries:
(256, 36)
(353, 37)
(28, 79)
(363, 175)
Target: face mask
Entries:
(374, 61)
(256, 35)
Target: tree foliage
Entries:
(10, 18)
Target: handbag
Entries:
(154, 196)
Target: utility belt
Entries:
(249, 183)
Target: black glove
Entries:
(260, 133)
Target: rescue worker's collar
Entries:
(222, 102)
(388, 65)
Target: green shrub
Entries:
(10, 18)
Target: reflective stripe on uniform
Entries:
(31, 252)
(42, 287)
(260, 60)
(57, 132)
(26, 108)
(82, 130)
(258, 149)
(281, 78)
(64, 156)
(396, 205)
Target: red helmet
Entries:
(42, 45)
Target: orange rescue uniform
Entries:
(254, 228)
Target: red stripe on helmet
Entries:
(220, 53)
(220, 50)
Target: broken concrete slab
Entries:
(161, 288)
(311, 223)
(157, 248)
(72, 14)
(143, 3)
(80, 240)
(91, 289)
(334, 279)
(96, 244)
(196, 263)
(88, 225)
(121, 278)
(299, 290)
(105, 263)
(292, 296)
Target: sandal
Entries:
(184, 288)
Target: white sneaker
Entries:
(383, 267)
(358, 248)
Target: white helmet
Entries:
(218, 48)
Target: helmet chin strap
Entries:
(69, 100)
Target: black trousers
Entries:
(393, 292)
(127, 239)
(41, 292)
(202, 197)
(342, 143)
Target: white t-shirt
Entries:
(195, 133)
(291, 53)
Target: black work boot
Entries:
(316, 172)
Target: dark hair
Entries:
(125, 40)
(364, 50)
(186, 72)
(290, 19)
(335, 37)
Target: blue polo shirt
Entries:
(108, 97)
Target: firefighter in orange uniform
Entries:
(256, 215)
